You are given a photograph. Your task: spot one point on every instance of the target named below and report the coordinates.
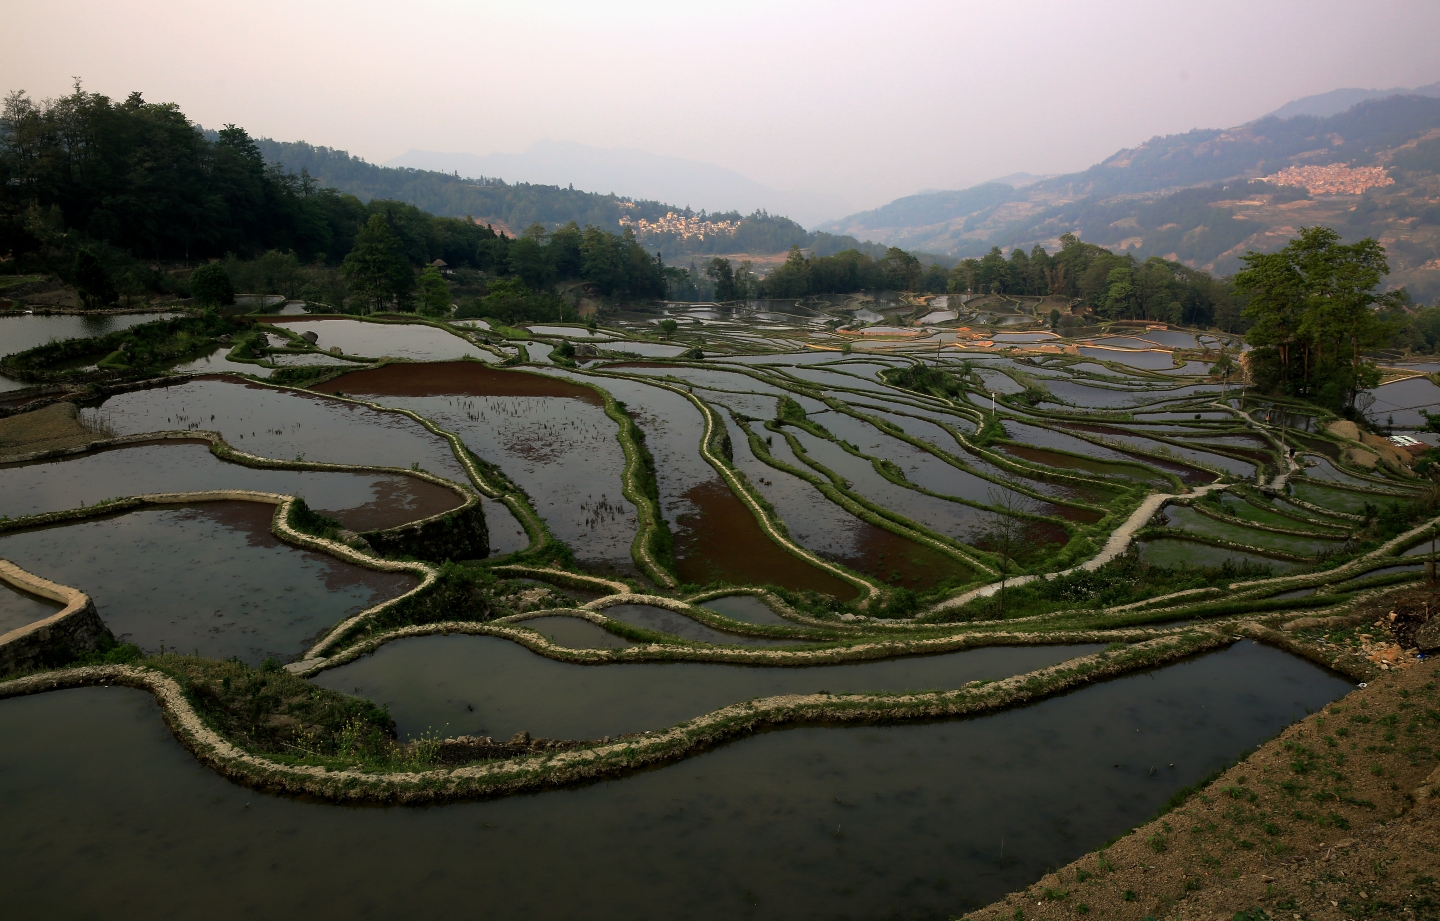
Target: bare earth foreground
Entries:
(56, 426)
(1338, 818)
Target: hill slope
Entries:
(1323, 105)
(511, 207)
(1373, 170)
(636, 173)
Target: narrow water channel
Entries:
(482, 685)
(903, 821)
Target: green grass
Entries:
(1339, 500)
(1188, 519)
(1122, 581)
(15, 281)
(1241, 508)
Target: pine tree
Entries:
(376, 271)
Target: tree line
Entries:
(1115, 286)
(806, 273)
(103, 193)
(522, 204)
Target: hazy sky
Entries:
(866, 100)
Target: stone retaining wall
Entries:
(53, 640)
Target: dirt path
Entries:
(1119, 540)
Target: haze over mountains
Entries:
(1370, 170)
(1323, 105)
(634, 174)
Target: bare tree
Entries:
(1007, 532)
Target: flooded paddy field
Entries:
(836, 534)
(671, 623)
(880, 540)
(1194, 522)
(1167, 552)
(551, 436)
(413, 341)
(25, 331)
(952, 519)
(209, 579)
(217, 361)
(280, 424)
(810, 822)
(747, 609)
(360, 501)
(717, 538)
(481, 685)
(19, 608)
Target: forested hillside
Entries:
(121, 199)
(1194, 198)
(512, 207)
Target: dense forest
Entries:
(105, 194)
(138, 177)
(1116, 287)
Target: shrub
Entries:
(210, 285)
(91, 281)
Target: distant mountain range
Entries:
(1324, 105)
(1370, 170)
(633, 173)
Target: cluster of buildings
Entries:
(1335, 179)
(681, 226)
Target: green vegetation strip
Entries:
(652, 548)
(1039, 473)
(859, 506)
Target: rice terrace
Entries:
(437, 580)
(540, 577)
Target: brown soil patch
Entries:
(454, 378)
(1326, 822)
(55, 426)
(721, 540)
